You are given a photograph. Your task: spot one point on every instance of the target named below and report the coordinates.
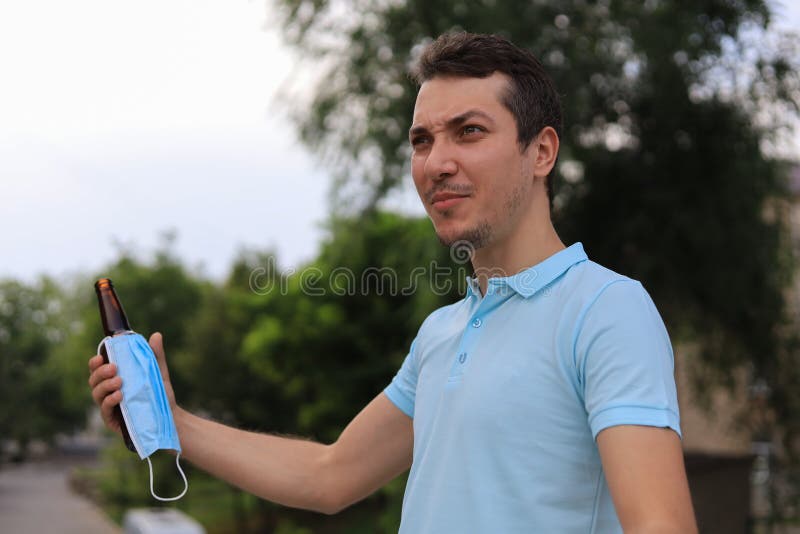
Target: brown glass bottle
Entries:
(114, 323)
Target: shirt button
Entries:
(462, 357)
(477, 323)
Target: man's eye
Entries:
(472, 129)
(420, 139)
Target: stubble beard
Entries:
(483, 233)
(477, 237)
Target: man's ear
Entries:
(547, 144)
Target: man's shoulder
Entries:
(598, 291)
(589, 278)
(443, 313)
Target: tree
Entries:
(35, 396)
(672, 110)
(303, 351)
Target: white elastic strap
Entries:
(101, 343)
(183, 476)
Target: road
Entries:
(35, 498)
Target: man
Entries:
(544, 401)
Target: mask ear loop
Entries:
(183, 476)
(101, 343)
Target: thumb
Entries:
(157, 344)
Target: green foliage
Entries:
(309, 353)
(281, 351)
(36, 394)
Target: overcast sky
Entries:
(119, 121)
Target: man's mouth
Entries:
(445, 200)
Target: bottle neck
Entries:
(111, 313)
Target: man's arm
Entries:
(647, 479)
(374, 448)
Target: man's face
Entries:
(475, 183)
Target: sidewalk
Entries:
(35, 497)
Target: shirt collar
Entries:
(532, 279)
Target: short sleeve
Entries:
(403, 388)
(625, 361)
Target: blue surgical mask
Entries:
(144, 405)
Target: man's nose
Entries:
(441, 162)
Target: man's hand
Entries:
(106, 384)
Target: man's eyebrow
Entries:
(453, 122)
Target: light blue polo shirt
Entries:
(508, 392)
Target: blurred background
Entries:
(206, 154)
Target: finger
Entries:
(105, 388)
(157, 344)
(95, 362)
(108, 405)
(102, 373)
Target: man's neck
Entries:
(525, 248)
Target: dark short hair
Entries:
(531, 97)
